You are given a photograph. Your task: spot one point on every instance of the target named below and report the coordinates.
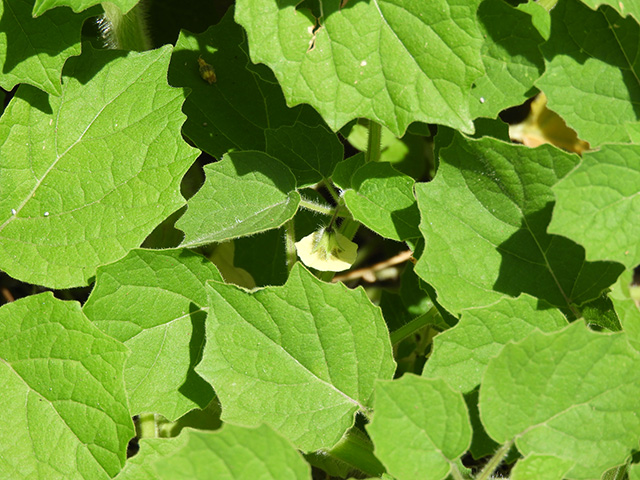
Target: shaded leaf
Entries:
(155, 302)
(591, 78)
(265, 269)
(234, 112)
(511, 58)
(623, 8)
(243, 194)
(601, 312)
(343, 172)
(598, 204)
(382, 199)
(310, 152)
(484, 220)
(33, 50)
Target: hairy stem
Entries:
(290, 244)
(126, 31)
(317, 207)
(455, 473)
(495, 461)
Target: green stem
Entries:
(349, 227)
(455, 473)
(317, 207)
(326, 276)
(332, 191)
(146, 426)
(373, 143)
(495, 461)
(290, 244)
(414, 325)
(126, 31)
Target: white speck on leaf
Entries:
(13, 211)
(481, 99)
(46, 214)
(363, 63)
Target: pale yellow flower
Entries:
(327, 251)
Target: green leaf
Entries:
(33, 50)
(301, 358)
(63, 407)
(234, 453)
(511, 58)
(591, 78)
(573, 395)
(601, 312)
(540, 17)
(461, 354)
(420, 425)
(245, 100)
(634, 472)
(86, 176)
(382, 199)
(310, 152)
(627, 309)
(623, 8)
(243, 194)
(343, 172)
(155, 303)
(484, 220)
(599, 197)
(353, 453)
(41, 6)
(140, 467)
(541, 467)
(392, 62)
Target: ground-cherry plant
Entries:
(299, 243)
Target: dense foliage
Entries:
(174, 206)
